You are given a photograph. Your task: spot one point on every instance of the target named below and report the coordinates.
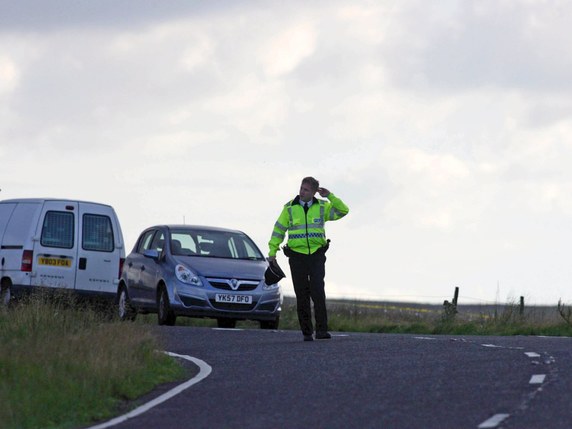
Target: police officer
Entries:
(304, 219)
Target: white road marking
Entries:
(227, 329)
(204, 371)
(494, 421)
(424, 338)
(553, 337)
(492, 345)
(537, 379)
(532, 354)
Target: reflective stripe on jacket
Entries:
(306, 231)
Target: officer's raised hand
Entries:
(323, 192)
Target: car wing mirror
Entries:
(151, 253)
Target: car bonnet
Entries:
(225, 268)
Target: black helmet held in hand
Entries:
(273, 273)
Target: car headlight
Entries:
(187, 276)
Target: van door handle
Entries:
(142, 267)
(82, 263)
(130, 264)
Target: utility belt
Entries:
(289, 252)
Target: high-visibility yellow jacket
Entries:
(306, 232)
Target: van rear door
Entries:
(6, 210)
(55, 248)
(100, 249)
(18, 222)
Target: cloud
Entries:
(431, 188)
(9, 74)
(38, 16)
(462, 46)
(286, 50)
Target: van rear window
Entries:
(97, 233)
(57, 230)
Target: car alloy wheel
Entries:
(125, 310)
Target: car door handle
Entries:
(142, 267)
(130, 264)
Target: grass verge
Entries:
(63, 365)
(360, 316)
(413, 318)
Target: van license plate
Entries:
(234, 299)
(55, 262)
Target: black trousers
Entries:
(308, 272)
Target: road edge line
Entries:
(204, 371)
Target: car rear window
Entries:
(58, 230)
(97, 233)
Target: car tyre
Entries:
(165, 314)
(270, 324)
(225, 322)
(125, 310)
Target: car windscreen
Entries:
(214, 243)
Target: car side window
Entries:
(158, 242)
(145, 242)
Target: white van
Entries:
(59, 244)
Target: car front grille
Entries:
(239, 285)
(232, 306)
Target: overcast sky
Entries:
(445, 126)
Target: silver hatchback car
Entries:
(198, 271)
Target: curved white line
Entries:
(204, 371)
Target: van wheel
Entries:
(224, 322)
(165, 314)
(270, 324)
(124, 307)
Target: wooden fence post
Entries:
(450, 308)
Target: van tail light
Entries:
(121, 262)
(27, 259)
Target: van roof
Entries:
(41, 200)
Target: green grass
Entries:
(432, 319)
(63, 364)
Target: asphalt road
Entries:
(272, 379)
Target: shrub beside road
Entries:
(63, 364)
